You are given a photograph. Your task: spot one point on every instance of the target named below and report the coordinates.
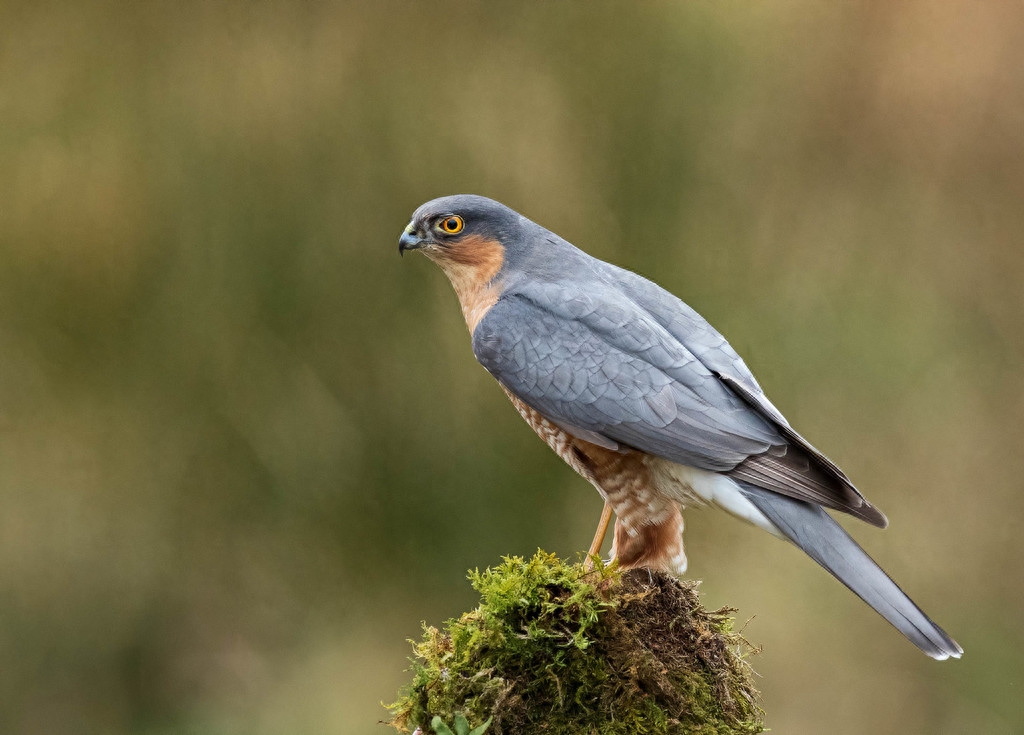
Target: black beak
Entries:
(409, 241)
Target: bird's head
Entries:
(475, 241)
(464, 229)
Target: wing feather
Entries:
(798, 470)
(591, 373)
(624, 363)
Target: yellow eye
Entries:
(451, 225)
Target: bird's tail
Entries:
(813, 530)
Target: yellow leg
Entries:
(602, 529)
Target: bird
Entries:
(647, 401)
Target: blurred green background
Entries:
(245, 449)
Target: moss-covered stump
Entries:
(552, 649)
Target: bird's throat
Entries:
(472, 266)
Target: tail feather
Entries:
(812, 529)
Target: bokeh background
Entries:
(245, 449)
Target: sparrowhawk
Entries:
(646, 400)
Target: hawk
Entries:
(646, 400)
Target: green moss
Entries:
(556, 650)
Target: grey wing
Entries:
(801, 471)
(597, 364)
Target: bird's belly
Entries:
(556, 437)
(625, 478)
(642, 488)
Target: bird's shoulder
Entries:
(621, 307)
(581, 317)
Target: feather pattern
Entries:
(630, 381)
(614, 359)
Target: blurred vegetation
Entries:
(245, 450)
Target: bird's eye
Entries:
(451, 225)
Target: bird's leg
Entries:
(657, 545)
(602, 529)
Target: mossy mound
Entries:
(552, 649)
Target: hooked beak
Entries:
(409, 240)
